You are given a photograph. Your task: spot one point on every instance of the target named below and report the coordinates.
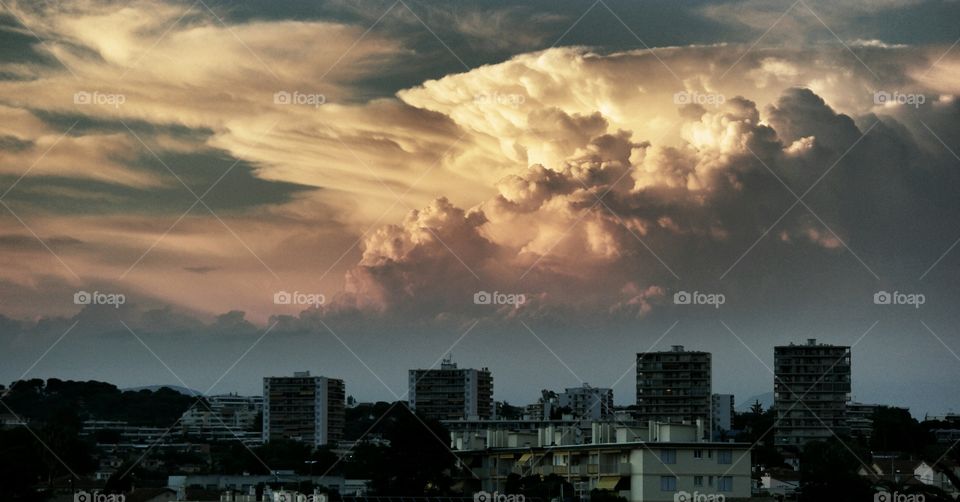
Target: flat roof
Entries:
(611, 446)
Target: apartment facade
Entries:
(303, 408)
(860, 419)
(587, 402)
(644, 465)
(811, 391)
(225, 417)
(451, 393)
(674, 386)
(721, 414)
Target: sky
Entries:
(171, 171)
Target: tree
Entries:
(22, 466)
(540, 487)
(508, 412)
(894, 429)
(830, 473)
(421, 460)
(605, 496)
(28, 460)
(758, 426)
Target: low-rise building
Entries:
(780, 483)
(661, 463)
(225, 418)
(946, 436)
(248, 484)
(545, 408)
(944, 475)
(860, 419)
(127, 433)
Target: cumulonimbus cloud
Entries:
(595, 214)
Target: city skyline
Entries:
(766, 399)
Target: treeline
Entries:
(41, 401)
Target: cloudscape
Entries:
(204, 194)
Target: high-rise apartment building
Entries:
(721, 414)
(451, 393)
(811, 390)
(304, 408)
(674, 386)
(587, 402)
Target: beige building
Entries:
(662, 462)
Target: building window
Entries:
(724, 457)
(709, 480)
(668, 483)
(697, 453)
(698, 481)
(725, 483)
(668, 456)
